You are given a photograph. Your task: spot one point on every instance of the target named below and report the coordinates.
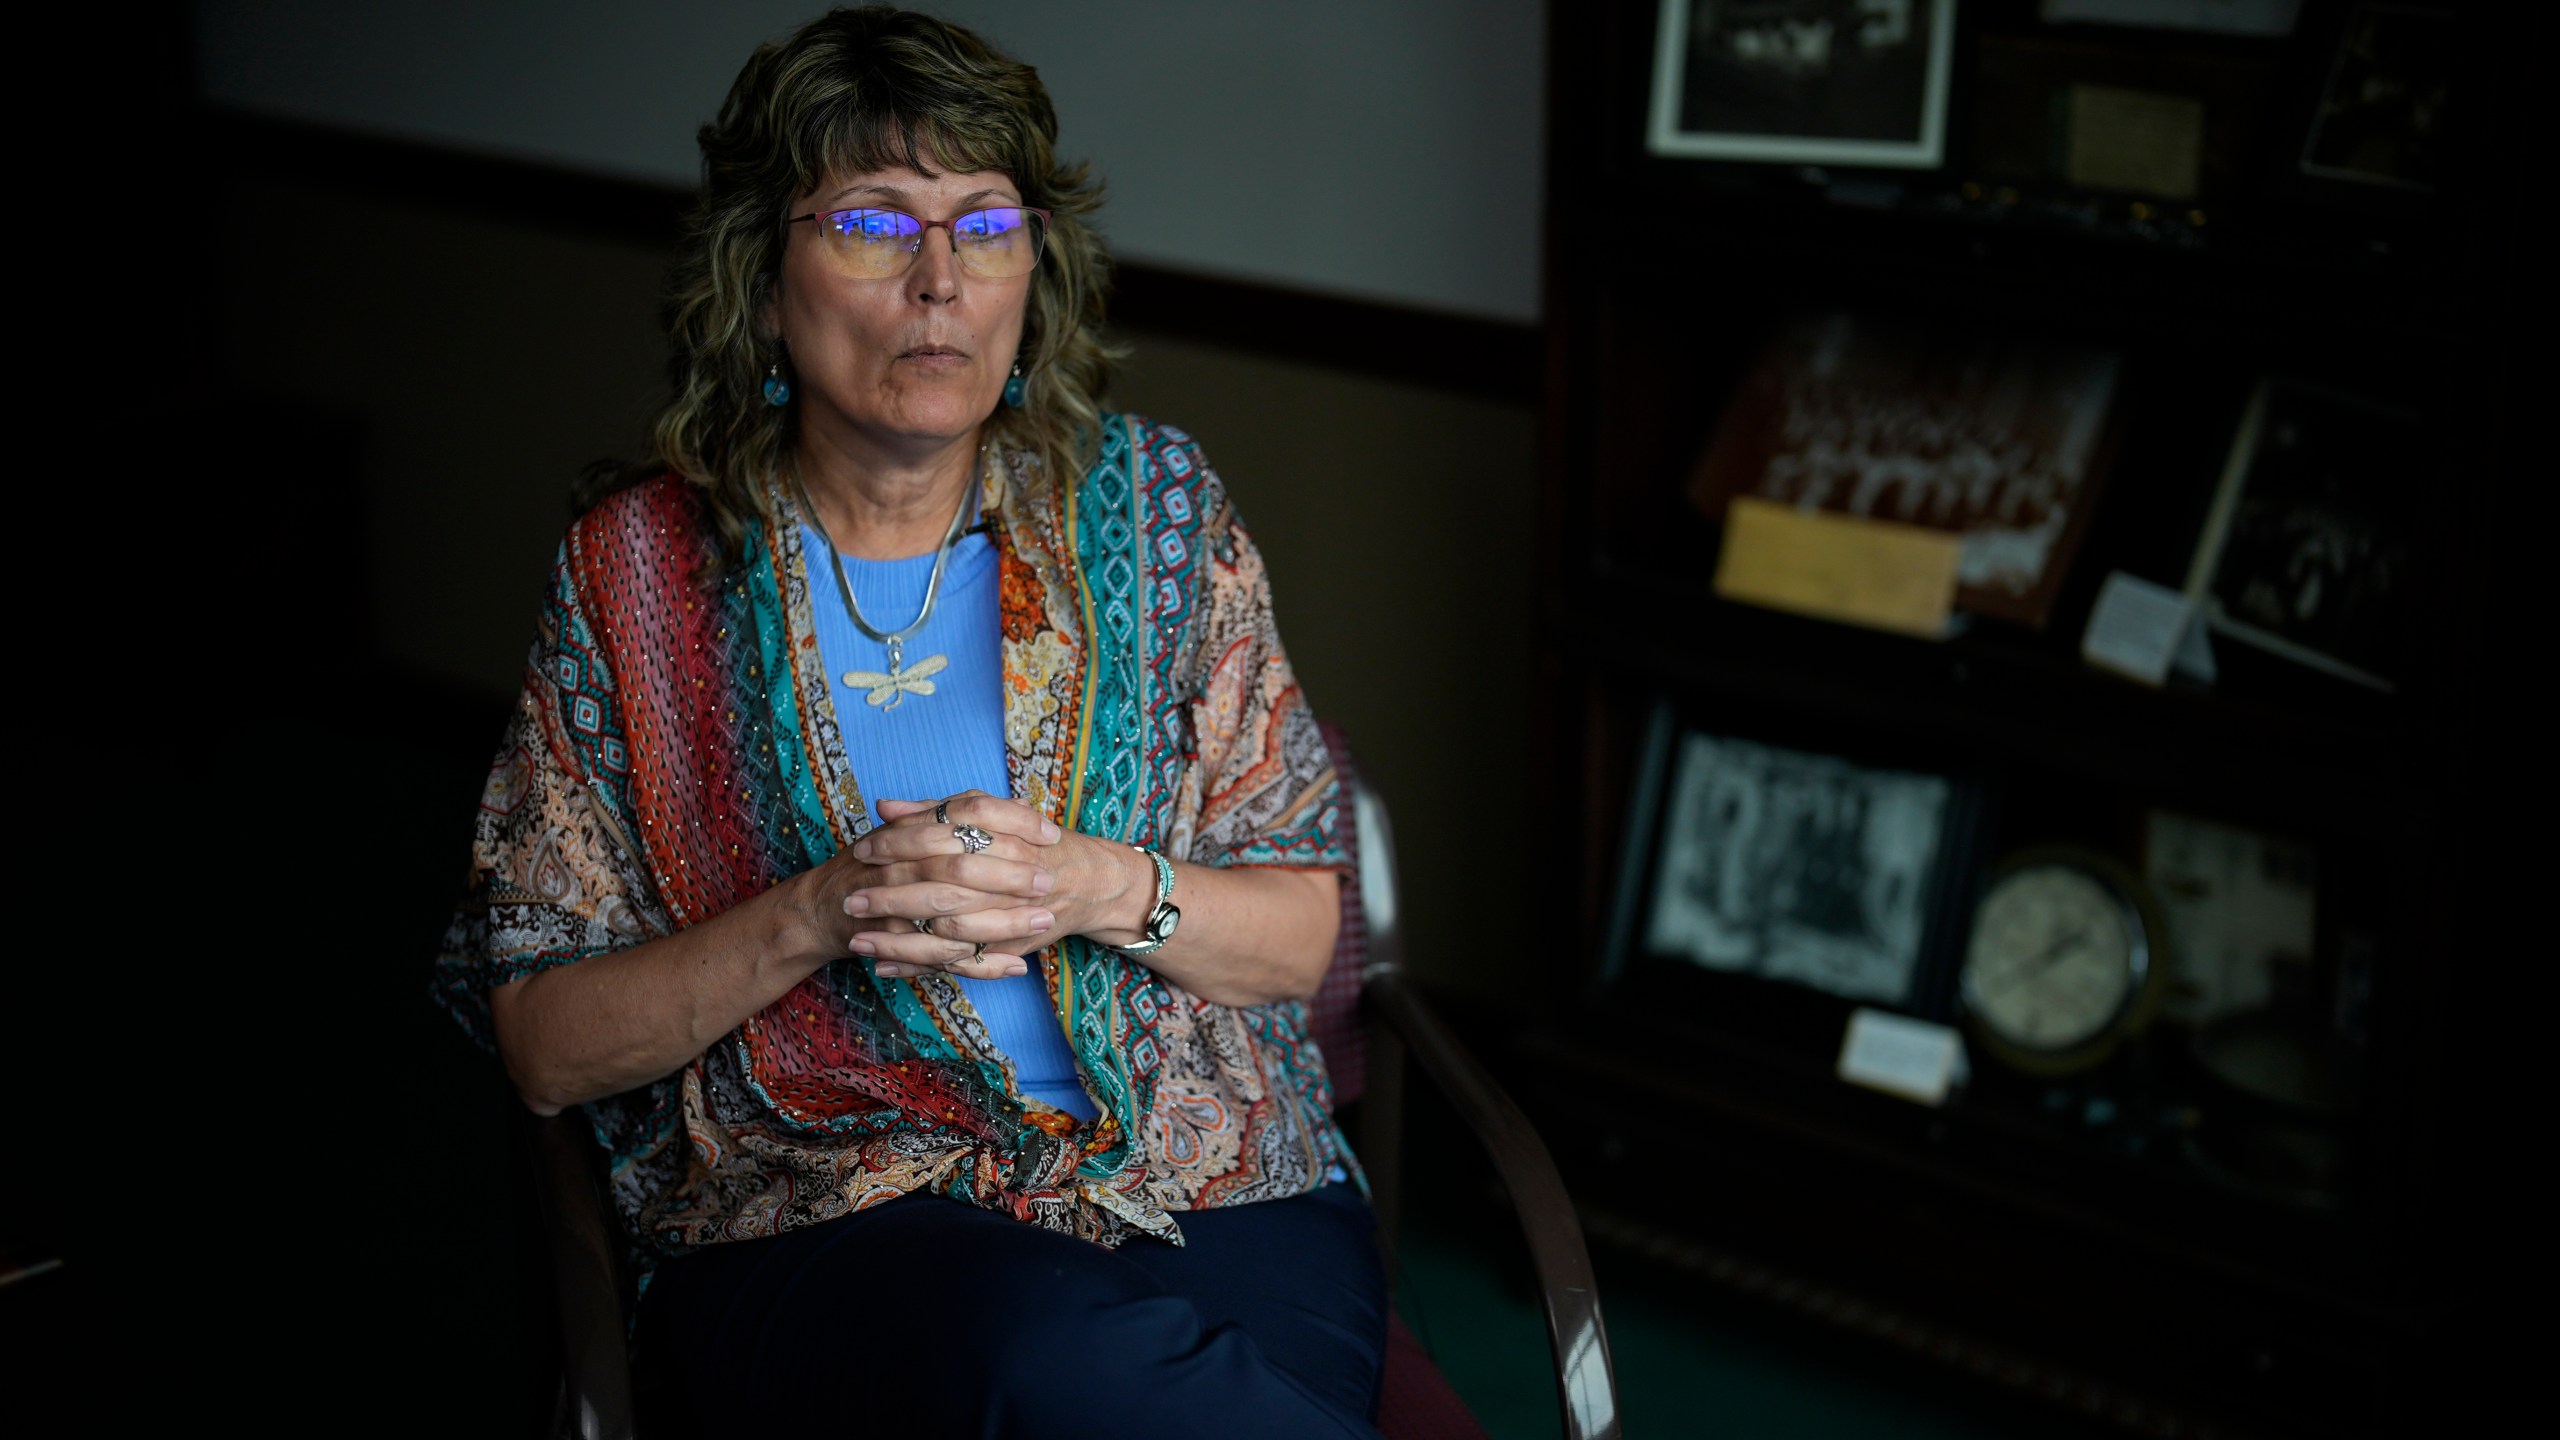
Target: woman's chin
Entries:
(937, 414)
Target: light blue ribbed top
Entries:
(930, 746)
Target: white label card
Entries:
(1914, 1059)
(2137, 628)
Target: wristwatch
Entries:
(1161, 920)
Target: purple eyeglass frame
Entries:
(923, 225)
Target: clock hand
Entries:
(2052, 956)
(2064, 946)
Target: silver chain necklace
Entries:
(889, 689)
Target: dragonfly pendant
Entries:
(889, 690)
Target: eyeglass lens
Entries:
(996, 244)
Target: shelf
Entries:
(1951, 1213)
(1934, 247)
(2151, 1207)
(2005, 700)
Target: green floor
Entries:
(1693, 1357)
(1688, 1362)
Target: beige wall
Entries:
(483, 363)
(1397, 523)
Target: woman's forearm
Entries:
(1248, 936)
(615, 1022)
(574, 1033)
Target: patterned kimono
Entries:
(675, 751)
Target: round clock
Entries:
(2067, 957)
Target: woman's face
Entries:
(913, 358)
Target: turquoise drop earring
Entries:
(1013, 387)
(777, 391)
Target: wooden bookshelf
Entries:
(2102, 1244)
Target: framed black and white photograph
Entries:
(1803, 82)
(2306, 552)
(1812, 869)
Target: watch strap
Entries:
(1153, 939)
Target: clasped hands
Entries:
(918, 900)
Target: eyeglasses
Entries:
(993, 244)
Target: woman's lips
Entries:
(934, 355)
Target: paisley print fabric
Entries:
(674, 752)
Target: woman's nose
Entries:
(935, 275)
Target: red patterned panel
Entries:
(669, 651)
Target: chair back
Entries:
(1371, 935)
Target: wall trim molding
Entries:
(1488, 359)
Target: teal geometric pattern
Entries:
(1113, 566)
(1141, 558)
(1168, 469)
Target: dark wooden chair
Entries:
(1370, 1024)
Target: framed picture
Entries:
(1747, 858)
(2306, 552)
(1803, 82)
(2173, 124)
(2241, 907)
(2381, 114)
(2002, 439)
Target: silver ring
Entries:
(923, 926)
(972, 839)
(942, 812)
(979, 952)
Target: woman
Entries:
(911, 847)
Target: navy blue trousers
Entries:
(925, 1317)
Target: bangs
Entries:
(855, 139)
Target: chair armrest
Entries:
(586, 1272)
(1584, 1369)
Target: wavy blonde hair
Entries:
(856, 90)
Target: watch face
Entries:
(2057, 952)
